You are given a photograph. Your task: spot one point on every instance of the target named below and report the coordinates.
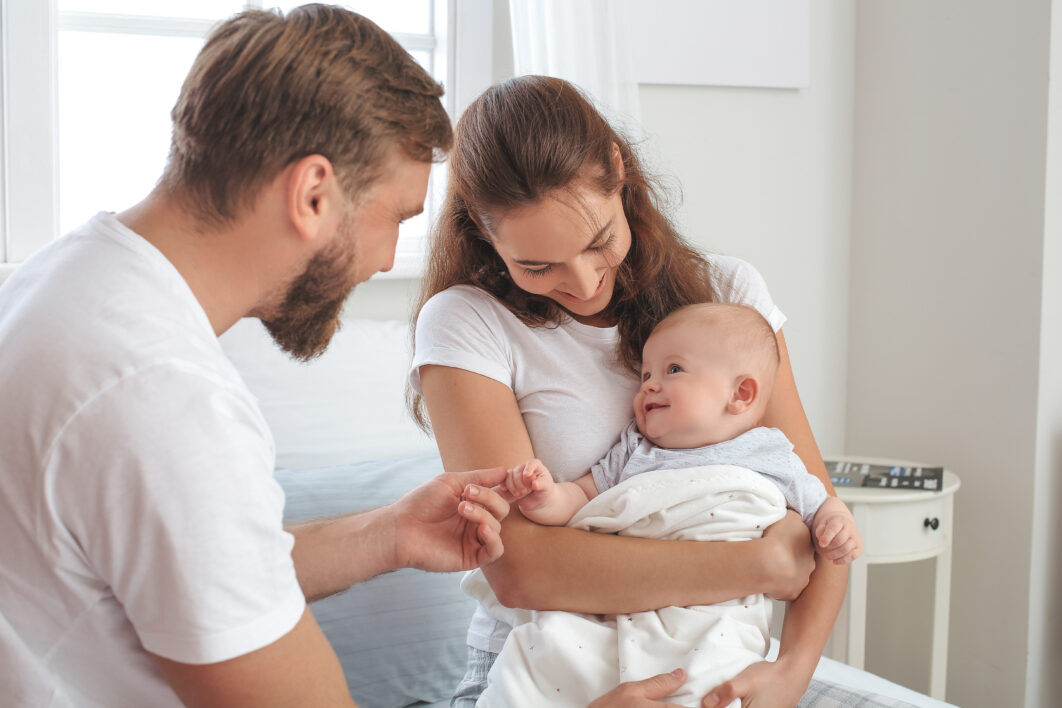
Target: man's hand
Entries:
(795, 557)
(451, 522)
(643, 694)
(764, 684)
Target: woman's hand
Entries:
(642, 694)
(795, 557)
(765, 684)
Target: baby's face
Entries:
(686, 385)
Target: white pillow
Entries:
(345, 406)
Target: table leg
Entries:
(938, 662)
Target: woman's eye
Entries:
(537, 272)
(604, 246)
(674, 369)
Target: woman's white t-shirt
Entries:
(573, 393)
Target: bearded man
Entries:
(143, 561)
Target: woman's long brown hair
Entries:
(520, 142)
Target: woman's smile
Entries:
(597, 291)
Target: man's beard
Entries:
(304, 323)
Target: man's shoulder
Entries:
(96, 306)
(68, 358)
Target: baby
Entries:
(707, 374)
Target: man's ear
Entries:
(312, 193)
(743, 397)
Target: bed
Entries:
(345, 443)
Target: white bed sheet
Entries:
(837, 672)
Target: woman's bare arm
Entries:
(477, 423)
(809, 620)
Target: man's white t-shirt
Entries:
(138, 509)
(574, 395)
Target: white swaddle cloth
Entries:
(569, 659)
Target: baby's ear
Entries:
(743, 397)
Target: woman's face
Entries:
(567, 247)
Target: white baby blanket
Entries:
(568, 659)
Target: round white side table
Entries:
(898, 526)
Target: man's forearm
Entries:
(330, 555)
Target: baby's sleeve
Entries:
(608, 471)
(776, 459)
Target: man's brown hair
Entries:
(268, 89)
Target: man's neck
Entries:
(224, 269)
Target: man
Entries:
(143, 560)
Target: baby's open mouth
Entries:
(653, 406)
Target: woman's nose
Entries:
(584, 280)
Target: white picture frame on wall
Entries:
(755, 43)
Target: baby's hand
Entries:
(836, 537)
(530, 484)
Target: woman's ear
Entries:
(312, 193)
(743, 397)
(617, 161)
(479, 225)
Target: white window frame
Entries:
(29, 182)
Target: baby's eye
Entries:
(645, 377)
(674, 369)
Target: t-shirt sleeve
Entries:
(803, 491)
(808, 494)
(165, 484)
(460, 328)
(609, 469)
(738, 282)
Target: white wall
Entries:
(765, 175)
(946, 328)
(1043, 680)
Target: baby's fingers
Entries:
(514, 482)
(845, 552)
(827, 530)
(535, 476)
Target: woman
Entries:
(549, 267)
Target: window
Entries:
(88, 86)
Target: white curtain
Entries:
(586, 42)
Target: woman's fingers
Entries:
(644, 693)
